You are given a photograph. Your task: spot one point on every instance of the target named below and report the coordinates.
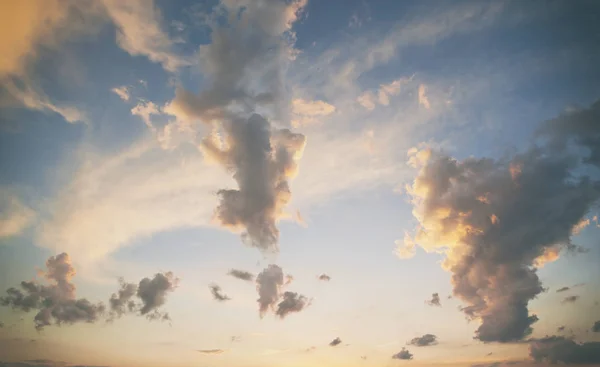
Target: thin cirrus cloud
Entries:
(15, 216)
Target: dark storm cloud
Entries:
(268, 285)
(243, 64)
(217, 293)
(570, 299)
(324, 277)
(424, 341)
(557, 349)
(335, 342)
(404, 354)
(241, 274)
(596, 327)
(291, 302)
(435, 300)
(55, 303)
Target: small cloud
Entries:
(596, 327)
(211, 351)
(560, 329)
(423, 100)
(335, 342)
(563, 289)
(122, 92)
(241, 274)
(309, 112)
(579, 226)
(570, 299)
(217, 293)
(404, 354)
(424, 341)
(435, 300)
(324, 277)
(292, 302)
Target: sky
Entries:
(299, 183)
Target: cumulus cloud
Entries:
(122, 92)
(424, 341)
(435, 300)
(596, 327)
(56, 303)
(496, 225)
(218, 294)
(558, 349)
(243, 64)
(570, 299)
(324, 277)
(309, 112)
(335, 342)
(151, 294)
(291, 302)
(15, 216)
(241, 274)
(404, 354)
(268, 285)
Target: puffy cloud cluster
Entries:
(558, 349)
(151, 293)
(218, 294)
(241, 274)
(269, 284)
(404, 354)
(56, 303)
(424, 341)
(244, 65)
(435, 300)
(497, 221)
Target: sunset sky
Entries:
(292, 183)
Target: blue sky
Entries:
(108, 113)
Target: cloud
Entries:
(560, 329)
(335, 342)
(122, 92)
(596, 327)
(570, 299)
(370, 99)
(15, 216)
(140, 32)
(241, 274)
(121, 302)
(217, 294)
(524, 218)
(557, 349)
(56, 303)
(243, 64)
(404, 354)
(211, 351)
(563, 289)
(153, 291)
(424, 341)
(291, 302)
(324, 277)
(40, 363)
(423, 100)
(309, 112)
(435, 300)
(268, 285)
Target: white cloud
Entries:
(15, 217)
(423, 100)
(307, 112)
(122, 92)
(140, 32)
(369, 99)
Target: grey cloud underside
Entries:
(517, 211)
(424, 341)
(244, 65)
(335, 342)
(55, 303)
(404, 354)
(218, 294)
(241, 274)
(558, 349)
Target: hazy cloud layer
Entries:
(218, 294)
(15, 216)
(557, 349)
(424, 341)
(55, 303)
(241, 274)
(404, 354)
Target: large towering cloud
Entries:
(498, 220)
(244, 65)
(56, 303)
